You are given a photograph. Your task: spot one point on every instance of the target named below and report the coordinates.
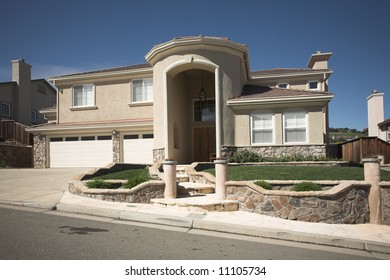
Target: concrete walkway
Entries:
(47, 189)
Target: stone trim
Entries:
(158, 155)
(385, 202)
(116, 147)
(39, 151)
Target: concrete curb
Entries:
(201, 224)
(38, 205)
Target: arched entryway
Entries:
(192, 100)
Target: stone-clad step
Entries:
(189, 188)
(200, 203)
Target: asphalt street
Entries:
(40, 234)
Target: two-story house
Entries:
(195, 100)
(22, 98)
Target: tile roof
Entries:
(122, 68)
(281, 71)
(260, 92)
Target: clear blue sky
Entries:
(62, 37)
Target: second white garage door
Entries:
(138, 150)
(90, 153)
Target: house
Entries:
(195, 99)
(377, 125)
(22, 98)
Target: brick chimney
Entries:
(21, 74)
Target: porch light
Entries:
(202, 92)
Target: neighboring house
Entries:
(377, 125)
(195, 100)
(22, 98)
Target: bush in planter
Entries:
(263, 184)
(132, 182)
(98, 184)
(245, 156)
(306, 186)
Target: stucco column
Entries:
(372, 175)
(170, 179)
(220, 178)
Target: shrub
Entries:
(98, 184)
(132, 182)
(306, 186)
(245, 156)
(263, 184)
(3, 164)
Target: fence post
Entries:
(372, 175)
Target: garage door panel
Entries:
(80, 153)
(138, 151)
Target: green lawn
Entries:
(241, 173)
(124, 175)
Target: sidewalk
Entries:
(368, 237)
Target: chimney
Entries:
(21, 74)
(376, 114)
(319, 60)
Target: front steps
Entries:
(194, 196)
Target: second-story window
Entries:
(283, 85)
(142, 90)
(5, 109)
(313, 85)
(83, 95)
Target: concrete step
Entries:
(190, 188)
(200, 203)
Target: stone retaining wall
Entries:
(142, 193)
(385, 197)
(16, 155)
(346, 203)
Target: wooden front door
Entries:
(204, 144)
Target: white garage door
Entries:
(138, 150)
(76, 153)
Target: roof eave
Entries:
(327, 72)
(277, 100)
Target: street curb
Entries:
(195, 223)
(43, 206)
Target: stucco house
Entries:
(22, 98)
(195, 99)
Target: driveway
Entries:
(42, 188)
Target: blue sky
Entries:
(62, 37)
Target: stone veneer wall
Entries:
(142, 193)
(158, 155)
(278, 151)
(116, 148)
(16, 155)
(346, 203)
(385, 196)
(39, 151)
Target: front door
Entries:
(204, 144)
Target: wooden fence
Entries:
(357, 149)
(13, 131)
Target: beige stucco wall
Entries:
(315, 126)
(112, 100)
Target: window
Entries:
(87, 138)
(204, 111)
(147, 136)
(295, 127)
(104, 137)
(313, 85)
(283, 85)
(83, 95)
(5, 109)
(142, 90)
(131, 137)
(262, 128)
(34, 116)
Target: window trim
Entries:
(286, 83)
(143, 102)
(81, 107)
(9, 109)
(252, 129)
(306, 126)
(313, 89)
